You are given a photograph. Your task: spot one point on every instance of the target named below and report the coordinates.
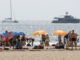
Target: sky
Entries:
(39, 9)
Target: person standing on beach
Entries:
(59, 38)
(43, 38)
(67, 40)
(73, 39)
(7, 40)
(47, 41)
(23, 40)
(18, 43)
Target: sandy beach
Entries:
(40, 55)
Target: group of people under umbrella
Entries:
(18, 40)
(15, 39)
(70, 39)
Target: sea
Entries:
(29, 27)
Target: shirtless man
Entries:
(73, 39)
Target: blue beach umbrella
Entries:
(4, 34)
(21, 33)
(14, 33)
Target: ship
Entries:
(66, 19)
(10, 19)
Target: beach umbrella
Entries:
(21, 33)
(4, 34)
(40, 32)
(14, 33)
(60, 32)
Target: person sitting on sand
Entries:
(73, 39)
(41, 46)
(41, 43)
(59, 45)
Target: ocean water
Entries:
(28, 27)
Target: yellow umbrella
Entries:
(59, 32)
(40, 32)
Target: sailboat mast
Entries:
(11, 9)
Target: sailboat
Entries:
(10, 20)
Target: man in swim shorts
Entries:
(73, 39)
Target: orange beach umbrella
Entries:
(40, 32)
(59, 32)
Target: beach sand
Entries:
(40, 55)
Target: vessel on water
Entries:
(66, 19)
(10, 19)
